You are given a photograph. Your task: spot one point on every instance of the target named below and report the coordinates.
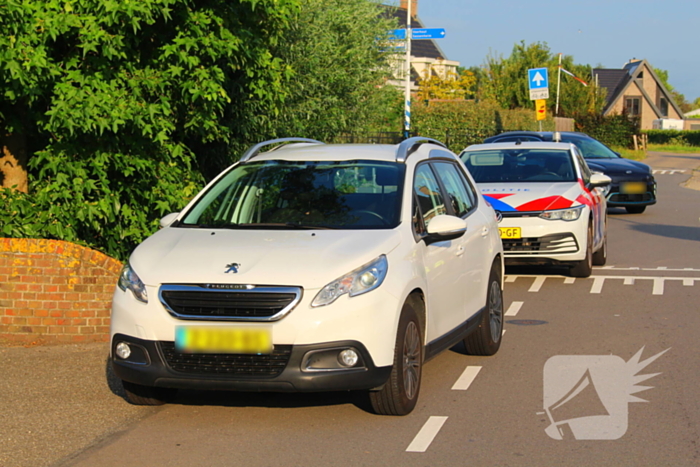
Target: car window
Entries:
(428, 195)
(286, 194)
(457, 193)
(514, 138)
(520, 165)
(591, 148)
(585, 171)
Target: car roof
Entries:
(519, 145)
(414, 148)
(547, 135)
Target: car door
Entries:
(474, 264)
(598, 203)
(441, 260)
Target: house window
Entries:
(663, 106)
(632, 105)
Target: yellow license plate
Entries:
(209, 339)
(510, 232)
(633, 188)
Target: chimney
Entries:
(414, 7)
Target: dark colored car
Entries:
(633, 186)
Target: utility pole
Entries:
(407, 104)
(556, 109)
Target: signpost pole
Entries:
(407, 105)
(556, 109)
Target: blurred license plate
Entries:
(208, 339)
(633, 188)
(509, 232)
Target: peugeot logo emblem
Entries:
(232, 267)
(629, 171)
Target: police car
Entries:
(553, 207)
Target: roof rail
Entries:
(408, 146)
(254, 150)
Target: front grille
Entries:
(629, 198)
(202, 303)
(227, 364)
(548, 245)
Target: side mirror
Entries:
(168, 219)
(598, 179)
(443, 227)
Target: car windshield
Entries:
(520, 165)
(591, 148)
(359, 194)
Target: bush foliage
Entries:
(674, 137)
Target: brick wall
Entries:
(54, 292)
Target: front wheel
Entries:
(137, 394)
(600, 257)
(584, 268)
(400, 393)
(486, 339)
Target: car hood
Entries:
(527, 197)
(617, 166)
(308, 258)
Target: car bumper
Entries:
(545, 242)
(617, 198)
(158, 364)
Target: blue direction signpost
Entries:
(431, 33)
(538, 80)
(397, 34)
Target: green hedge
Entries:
(613, 130)
(675, 137)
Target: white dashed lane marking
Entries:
(658, 282)
(426, 435)
(669, 171)
(467, 378)
(514, 308)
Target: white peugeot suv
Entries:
(313, 267)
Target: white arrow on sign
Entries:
(538, 78)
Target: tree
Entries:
(458, 85)
(105, 101)
(340, 69)
(507, 83)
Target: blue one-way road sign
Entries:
(538, 81)
(538, 78)
(431, 33)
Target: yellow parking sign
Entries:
(541, 108)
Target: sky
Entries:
(601, 33)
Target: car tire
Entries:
(486, 339)
(635, 209)
(400, 393)
(137, 394)
(600, 257)
(584, 268)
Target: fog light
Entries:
(123, 350)
(348, 357)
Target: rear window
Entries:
(520, 165)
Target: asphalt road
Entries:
(472, 410)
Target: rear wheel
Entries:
(584, 268)
(486, 339)
(635, 209)
(400, 393)
(146, 395)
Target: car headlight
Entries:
(128, 279)
(571, 214)
(361, 280)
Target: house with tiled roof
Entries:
(637, 90)
(427, 58)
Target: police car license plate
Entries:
(509, 232)
(210, 339)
